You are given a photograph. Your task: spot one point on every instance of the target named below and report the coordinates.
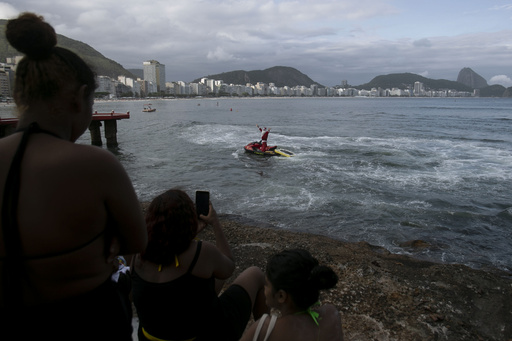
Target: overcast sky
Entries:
(328, 40)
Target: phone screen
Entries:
(202, 202)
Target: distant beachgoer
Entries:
(67, 210)
(264, 137)
(292, 284)
(176, 281)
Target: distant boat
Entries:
(147, 108)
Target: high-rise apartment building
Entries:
(155, 72)
(6, 80)
(418, 88)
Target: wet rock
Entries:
(415, 244)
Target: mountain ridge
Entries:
(279, 75)
(100, 64)
(406, 80)
(472, 79)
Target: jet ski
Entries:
(254, 148)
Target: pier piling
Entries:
(94, 129)
(111, 133)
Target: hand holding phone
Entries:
(202, 202)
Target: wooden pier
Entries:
(8, 126)
(110, 122)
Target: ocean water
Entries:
(381, 170)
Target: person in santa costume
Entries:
(264, 137)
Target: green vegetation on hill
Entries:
(493, 91)
(508, 92)
(279, 75)
(407, 80)
(100, 64)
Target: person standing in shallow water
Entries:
(264, 137)
(67, 210)
(292, 284)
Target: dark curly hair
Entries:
(299, 274)
(46, 68)
(171, 221)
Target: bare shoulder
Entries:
(84, 154)
(213, 262)
(209, 251)
(251, 331)
(328, 310)
(84, 161)
(330, 323)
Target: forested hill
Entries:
(407, 80)
(279, 75)
(404, 80)
(101, 65)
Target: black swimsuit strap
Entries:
(196, 256)
(11, 195)
(12, 241)
(64, 252)
(10, 200)
(34, 129)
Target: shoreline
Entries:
(412, 248)
(385, 296)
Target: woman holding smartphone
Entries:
(177, 279)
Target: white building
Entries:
(130, 82)
(154, 72)
(106, 84)
(418, 89)
(6, 80)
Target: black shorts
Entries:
(235, 311)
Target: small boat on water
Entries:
(148, 108)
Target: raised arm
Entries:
(220, 255)
(220, 239)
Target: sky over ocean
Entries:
(329, 41)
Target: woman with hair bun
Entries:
(293, 282)
(67, 210)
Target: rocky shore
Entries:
(383, 296)
(387, 297)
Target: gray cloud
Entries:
(329, 40)
(422, 43)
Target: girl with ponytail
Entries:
(293, 282)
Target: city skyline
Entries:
(329, 41)
(146, 87)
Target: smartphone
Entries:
(202, 202)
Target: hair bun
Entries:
(323, 277)
(31, 35)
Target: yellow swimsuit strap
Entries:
(175, 261)
(153, 338)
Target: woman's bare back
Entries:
(65, 221)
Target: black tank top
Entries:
(175, 310)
